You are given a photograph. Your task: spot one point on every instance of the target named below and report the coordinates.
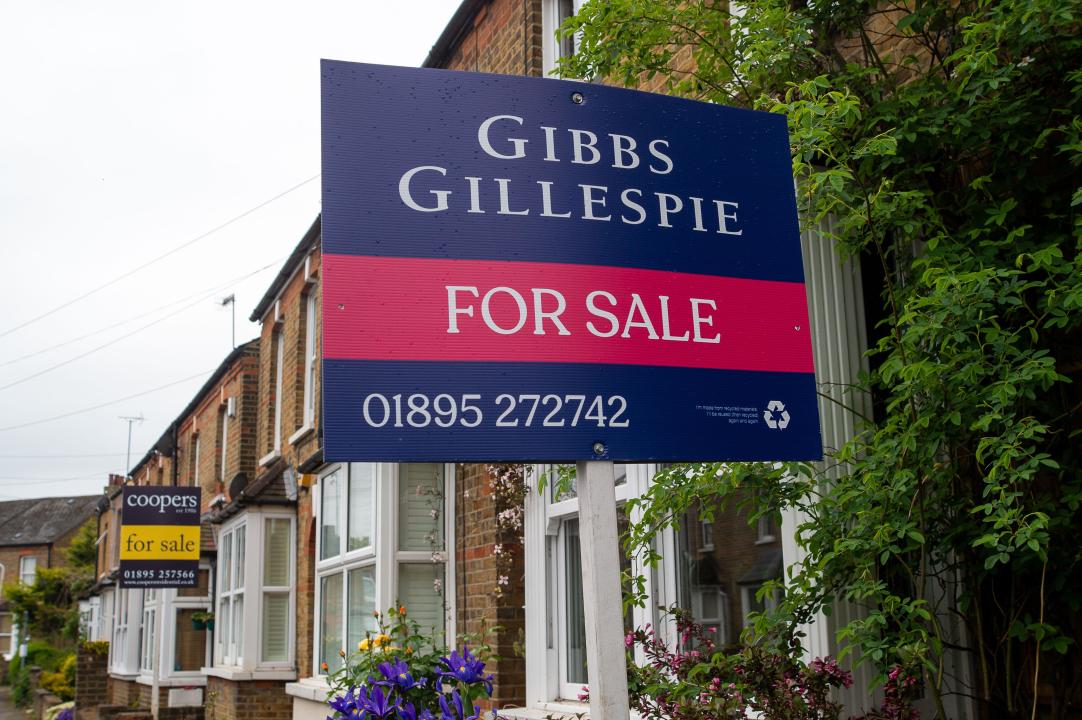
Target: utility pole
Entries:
(231, 301)
(130, 419)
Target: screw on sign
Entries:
(776, 416)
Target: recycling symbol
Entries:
(776, 416)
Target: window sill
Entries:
(236, 674)
(301, 434)
(196, 679)
(313, 689)
(269, 458)
(546, 711)
(123, 676)
(766, 540)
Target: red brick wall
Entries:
(248, 700)
(479, 606)
(241, 381)
(292, 303)
(505, 37)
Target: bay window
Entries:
(382, 539)
(255, 617)
(556, 669)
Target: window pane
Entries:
(420, 504)
(238, 574)
(191, 644)
(222, 626)
(362, 603)
(576, 619)
(330, 543)
(202, 588)
(330, 619)
(226, 555)
(238, 627)
(5, 623)
(361, 505)
(275, 627)
(416, 590)
(276, 556)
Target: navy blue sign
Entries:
(525, 269)
(159, 536)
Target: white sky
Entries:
(127, 129)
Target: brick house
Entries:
(211, 445)
(33, 534)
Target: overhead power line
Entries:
(16, 480)
(157, 259)
(114, 341)
(105, 404)
(206, 292)
(60, 456)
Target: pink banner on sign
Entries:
(385, 308)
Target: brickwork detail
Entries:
(478, 605)
(91, 680)
(248, 700)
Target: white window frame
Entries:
(244, 660)
(384, 555)
(173, 602)
(547, 686)
(721, 621)
(706, 535)
(195, 460)
(28, 567)
(124, 650)
(149, 631)
(7, 639)
(311, 361)
(224, 439)
(228, 652)
(280, 351)
(550, 21)
(766, 530)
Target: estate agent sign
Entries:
(159, 537)
(532, 269)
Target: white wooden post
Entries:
(601, 594)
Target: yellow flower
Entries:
(363, 645)
(381, 639)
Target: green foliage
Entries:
(62, 682)
(38, 654)
(943, 139)
(82, 553)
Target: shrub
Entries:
(62, 682)
(697, 681)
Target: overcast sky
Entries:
(128, 129)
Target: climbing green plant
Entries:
(942, 139)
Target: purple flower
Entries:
(466, 668)
(346, 705)
(397, 672)
(375, 703)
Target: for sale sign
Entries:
(532, 269)
(159, 537)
